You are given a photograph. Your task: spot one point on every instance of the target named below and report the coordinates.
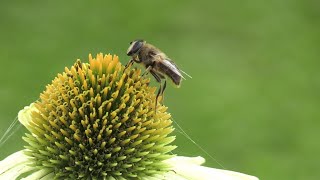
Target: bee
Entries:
(156, 63)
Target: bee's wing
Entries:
(172, 66)
(169, 63)
(176, 67)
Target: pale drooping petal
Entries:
(14, 165)
(24, 115)
(43, 174)
(191, 169)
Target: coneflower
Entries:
(95, 121)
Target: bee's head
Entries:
(135, 47)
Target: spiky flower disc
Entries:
(95, 121)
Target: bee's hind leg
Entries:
(163, 88)
(158, 93)
(160, 90)
(164, 85)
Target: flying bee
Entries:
(156, 62)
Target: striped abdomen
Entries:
(169, 69)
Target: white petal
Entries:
(168, 175)
(41, 174)
(14, 165)
(173, 175)
(24, 115)
(48, 176)
(16, 171)
(190, 160)
(13, 160)
(190, 169)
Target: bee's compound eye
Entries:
(134, 47)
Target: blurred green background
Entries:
(253, 103)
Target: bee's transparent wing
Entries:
(172, 66)
(179, 70)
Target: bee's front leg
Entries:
(128, 64)
(133, 60)
(136, 59)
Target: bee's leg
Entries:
(136, 59)
(164, 85)
(158, 93)
(133, 60)
(146, 71)
(149, 68)
(163, 88)
(128, 64)
(158, 79)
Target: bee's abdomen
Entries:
(171, 72)
(176, 79)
